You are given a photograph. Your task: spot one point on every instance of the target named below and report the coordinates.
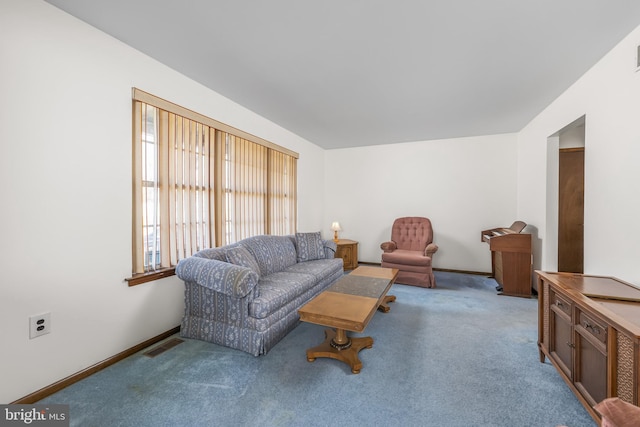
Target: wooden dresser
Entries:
(589, 328)
(348, 251)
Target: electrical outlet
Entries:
(39, 325)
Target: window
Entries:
(199, 183)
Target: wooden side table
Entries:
(348, 251)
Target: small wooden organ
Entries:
(511, 259)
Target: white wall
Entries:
(609, 97)
(463, 185)
(65, 185)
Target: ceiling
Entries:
(347, 73)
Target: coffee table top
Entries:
(381, 272)
(350, 302)
(371, 287)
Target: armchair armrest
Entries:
(389, 246)
(431, 249)
(219, 276)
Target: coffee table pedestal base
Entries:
(337, 345)
(384, 307)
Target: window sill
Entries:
(138, 279)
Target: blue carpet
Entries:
(456, 355)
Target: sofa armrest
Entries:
(431, 249)
(219, 276)
(389, 246)
(330, 248)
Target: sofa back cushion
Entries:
(272, 253)
(239, 255)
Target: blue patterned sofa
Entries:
(246, 295)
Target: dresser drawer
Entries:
(596, 329)
(561, 303)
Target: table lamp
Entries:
(335, 226)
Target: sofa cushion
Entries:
(320, 268)
(310, 246)
(240, 256)
(401, 256)
(277, 289)
(273, 253)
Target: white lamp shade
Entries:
(335, 226)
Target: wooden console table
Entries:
(589, 328)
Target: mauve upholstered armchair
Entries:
(616, 412)
(410, 250)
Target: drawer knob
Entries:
(571, 344)
(594, 329)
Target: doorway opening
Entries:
(566, 201)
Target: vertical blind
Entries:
(282, 183)
(199, 183)
(245, 188)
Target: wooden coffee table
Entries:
(383, 273)
(348, 305)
